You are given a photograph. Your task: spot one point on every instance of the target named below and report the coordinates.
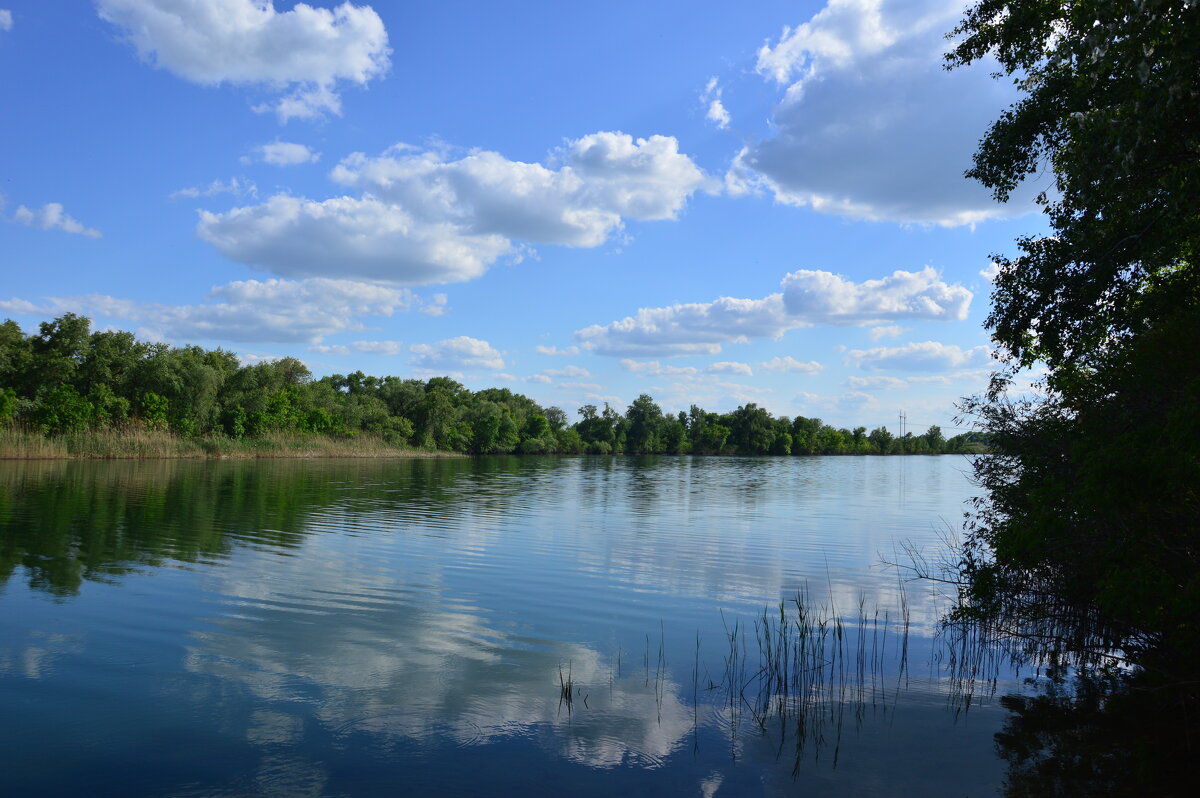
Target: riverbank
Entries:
(17, 444)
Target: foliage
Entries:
(1085, 549)
(66, 379)
(1112, 106)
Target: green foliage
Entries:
(109, 380)
(1086, 547)
(1111, 104)
(61, 409)
(8, 405)
(153, 409)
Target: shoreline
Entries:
(142, 444)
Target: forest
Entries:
(67, 378)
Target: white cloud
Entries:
(305, 50)
(697, 328)
(886, 331)
(51, 216)
(23, 307)
(809, 297)
(436, 305)
(363, 238)
(604, 176)
(253, 311)
(656, 369)
(378, 347)
(457, 354)
(716, 113)
(541, 379)
(923, 356)
(238, 187)
(286, 153)
(331, 349)
(730, 367)
(555, 351)
(568, 371)
(871, 126)
(789, 363)
(250, 359)
(880, 381)
(991, 272)
(828, 298)
(6, 22)
(423, 218)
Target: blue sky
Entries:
(713, 203)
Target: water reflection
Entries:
(321, 627)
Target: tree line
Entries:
(67, 378)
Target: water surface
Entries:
(349, 628)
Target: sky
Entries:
(713, 203)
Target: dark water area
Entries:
(495, 626)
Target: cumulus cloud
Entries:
(870, 125)
(457, 354)
(716, 111)
(23, 307)
(378, 347)
(877, 382)
(789, 363)
(656, 369)
(363, 238)
(603, 177)
(886, 331)
(697, 328)
(555, 351)
(435, 305)
(991, 272)
(923, 356)
(238, 187)
(303, 53)
(51, 216)
(541, 379)
(285, 153)
(730, 367)
(330, 349)
(6, 22)
(253, 311)
(808, 298)
(568, 371)
(423, 217)
(828, 298)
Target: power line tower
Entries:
(903, 419)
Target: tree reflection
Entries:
(1096, 733)
(66, 522)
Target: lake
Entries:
(492, 626)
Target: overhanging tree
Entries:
(1086, 546)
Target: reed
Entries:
(139, 442)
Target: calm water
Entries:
(376, 628)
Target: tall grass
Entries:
(137, 442)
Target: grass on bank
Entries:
(139, 442)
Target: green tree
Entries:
(880, 440)
(644, 432)
(58, 350)
(1087, 540)
(16, 354)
